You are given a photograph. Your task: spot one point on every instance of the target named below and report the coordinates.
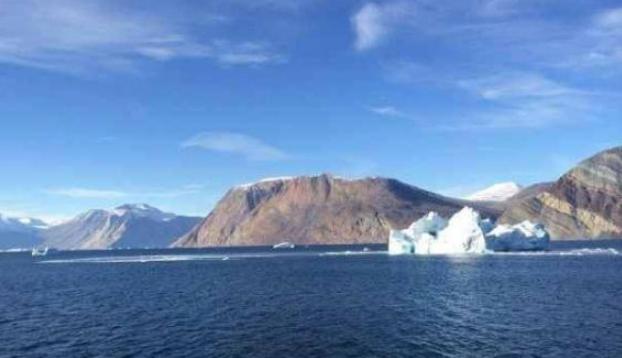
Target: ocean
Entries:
(312, 302)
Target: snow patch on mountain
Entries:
(264, 180)
(142, 211)
(21, 224)
(496, 192)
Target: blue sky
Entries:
(171, 103)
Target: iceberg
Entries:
(284, 245)
(525, 236)
(465, 233)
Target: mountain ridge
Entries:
(129, 225)
(321, 209)
(586, 202)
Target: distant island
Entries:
(585, 203)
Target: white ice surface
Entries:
(465, 233)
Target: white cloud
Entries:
(610, 19)
(368, 25)
(245, 53)
(388, 111)
(235, 143)
(515, 85)
(106, 194)
(82, 36)
(526, 100)
(497, 8)
(404, 71)
(373, 23)
(85, 193)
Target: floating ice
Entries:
(525, 236)
(465, 233)
(284, 245)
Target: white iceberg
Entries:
(284, 245)
(418, 236)
(525, 236)
(465, 233)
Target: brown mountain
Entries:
(318, 210)
(586, 202)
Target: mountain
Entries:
(497, 192)
(318, 210)
(529, 192)
(586, 202)
(127, 226)
(19, 232)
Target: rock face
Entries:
(19, 233)
(585, 203)
(128, 226)
(529, 192)
(317, 210)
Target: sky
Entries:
(105, 102)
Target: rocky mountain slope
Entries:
(19, 232)
(128, 226)
(586, 202)
(318, 210)
(528, 192)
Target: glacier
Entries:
(465, 233)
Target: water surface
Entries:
(335, 301)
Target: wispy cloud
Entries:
(388, 111)
(610, 19)
(82, 36)
(249, 147)
(516, 85)
(524, 100)
(86, 193)
(521, 63)
(107, 194)
(373, 23)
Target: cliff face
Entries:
(317, 210)
(586, 202)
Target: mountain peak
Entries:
(21, 224)
(137, 207)
(496, 192)
(128, 225)
(142, 210)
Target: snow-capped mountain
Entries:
(127, 226)
(497, 192)
(16, 232)
(21, 224)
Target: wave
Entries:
(573, 252)
(233, 256)
(170, 258)
(351, 253)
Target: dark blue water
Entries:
(267, 303)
